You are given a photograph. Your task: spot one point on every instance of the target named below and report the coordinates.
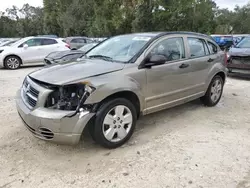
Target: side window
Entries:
(212, 48)
(78, 40)
(173, 49)
(32, 42)
(198, 47)
(206, 47)
(48, 41)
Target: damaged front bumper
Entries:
(239, 64)
(53, 125)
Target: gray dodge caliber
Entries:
(117, 81)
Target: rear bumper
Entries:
(1, 61)
(53, 125)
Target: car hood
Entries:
(239, 52)
(69, 72)
(59, 54)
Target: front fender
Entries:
(114, 86)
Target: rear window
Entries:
(48, 41)
(78, 40)
(212, 48)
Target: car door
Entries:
(177, 80)
(48, 46)
(29, 51)
(215, 57)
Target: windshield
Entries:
(10, 43)
(245, 43)
(120, 48)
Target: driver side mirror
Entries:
(25, 46)
(155, 60)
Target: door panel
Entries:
(32, 53)
(178, 80)
(169, 82)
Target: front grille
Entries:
(247, 58)
(46, 133)
(29, 94)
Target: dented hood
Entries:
(64, 73)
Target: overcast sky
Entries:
(230, 4)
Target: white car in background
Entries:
(30, 50)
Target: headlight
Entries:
(1, 51)
(69, 97)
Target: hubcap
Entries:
(117, 123)
(13, 63)
(216, 90)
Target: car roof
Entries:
(76, 37)
(159, 34)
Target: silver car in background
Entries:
(120, 79)
(77, 42)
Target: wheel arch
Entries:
(126, 94)
(222, 75)
(9, 55)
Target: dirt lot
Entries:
(188, 146)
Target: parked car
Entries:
(29, 50)
(224, 41)
(239, 57)
(9, 43)
(120, 79)
(77, 42)
(68, 55)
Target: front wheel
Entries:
(12, 62)
(214, 92)
(115, 123)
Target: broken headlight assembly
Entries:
(69, 97)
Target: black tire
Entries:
(207, 99)
(100, 115)
(91, 128)
(16, 62)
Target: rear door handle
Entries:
(183, 66)
(210, 60)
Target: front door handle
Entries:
(210, 60)
(183, 66)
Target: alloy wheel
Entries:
(117, 123)
(12, 63)
(216, 90)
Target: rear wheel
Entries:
(12, 62)
(115, 123)
(214, 92)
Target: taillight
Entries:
(68, 46)
(226, 58)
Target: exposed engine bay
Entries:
(69, 97)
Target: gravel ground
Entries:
(187, 146)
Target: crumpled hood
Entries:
(239, 52)
(64, 73)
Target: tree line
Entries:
(103, 18)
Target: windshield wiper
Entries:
(106, 58)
